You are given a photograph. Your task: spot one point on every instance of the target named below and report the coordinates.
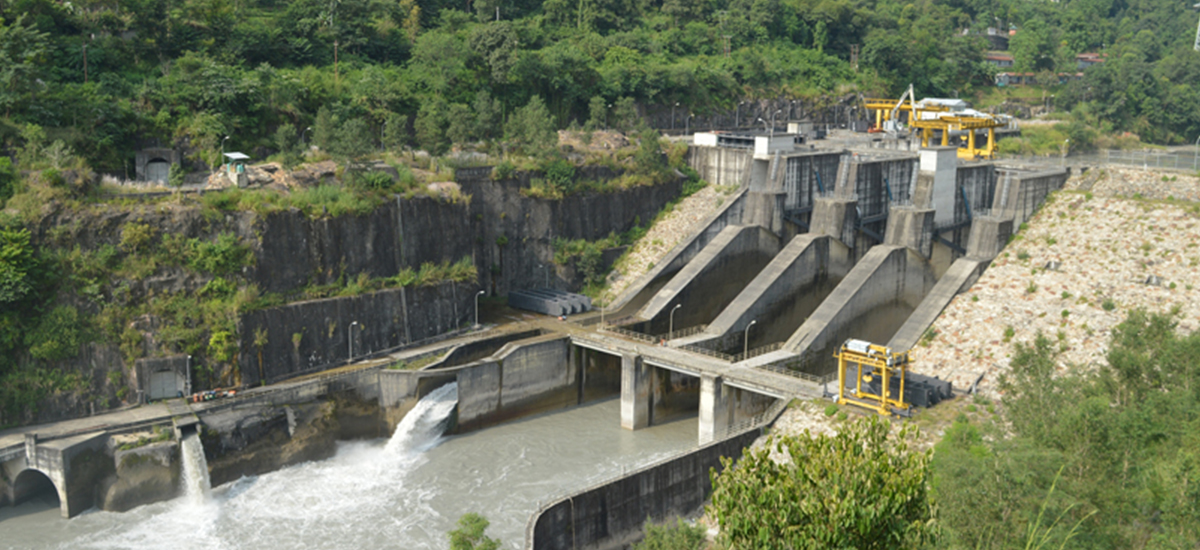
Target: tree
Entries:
(597, 114)
(625, 115)
(488, 114)
(469, 534)
(531, 129)
(857, 489)
(8, 180)
(395, 130)
(323, 128)
(288, 143)
(21, 49)
(430, 126)
(352, 141)
(462, 129)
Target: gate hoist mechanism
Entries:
(874, 367)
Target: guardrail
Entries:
(626, 333)
(808, 377)
(762, 350)
(1187, 160)
(710, 352)
(687, 332)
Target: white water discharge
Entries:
(404, 492)
(196, 486)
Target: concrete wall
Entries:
(804, 262)
(729, 214)
(310, 336)
(1020, 194)
(611, 515)
(524, 378)
(719, 165)
(712, 279)
(887, 274)
(800, 182)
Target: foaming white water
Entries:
(423, 426)
(196, 484)
(367, 496)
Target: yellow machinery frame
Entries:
(945, 121)
(885, 363)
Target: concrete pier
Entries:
(635, 392)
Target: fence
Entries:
(1146, 160)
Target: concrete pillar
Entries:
(836, 217)
(714, 408)
(635, 392)
(988, 237)
(941, 163)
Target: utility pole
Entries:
(85, 75)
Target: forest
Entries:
(103, 78)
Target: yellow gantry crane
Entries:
(872, 363)
(926, 117)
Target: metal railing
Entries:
(710, 352)
(1146, 160)
(762, 350)
(626, 333)
(690, 331)
(808, 377)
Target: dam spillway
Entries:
(368, 496)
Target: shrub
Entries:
(223, 256)
(1108, 304)
(831, 410)
(680, 536)
(57, 335)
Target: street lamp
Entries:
(1066, 144)
(746, 340)
(303, 133)
(187, 384)
(765, 129)
(673, 115)
(477, 295)
(671, 321)
(777, 111)
(737, 115)
(547, 266)
(350, 339)
(687, 124)
(223, 147)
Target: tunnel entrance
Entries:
(32, 485)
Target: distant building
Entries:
(997, 38)
(1085, 60)
(1000, 60)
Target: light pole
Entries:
(1197, 157)
(671, 321)
(760, 119)
(350, 339)
(673, 115)
(223, 149)
(746, 340)
(187, 384)
(302, 134)
(687, 124)
(547, 266)
(477, 295)
(1066, 144)
(737, 115)
(777, 111)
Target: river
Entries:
(405, 492)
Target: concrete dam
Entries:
(816, 247)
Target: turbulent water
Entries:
(405, 492)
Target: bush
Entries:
(831, 410)
(57, 335)
(374, 180)
(680, 536)
(221, 257)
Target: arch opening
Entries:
(32, 485)
(158, 169)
